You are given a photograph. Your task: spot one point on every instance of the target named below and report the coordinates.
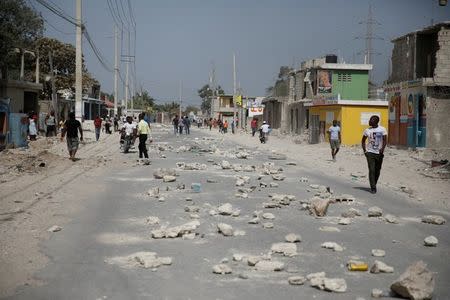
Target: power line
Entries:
(97, 52)
(59, 12)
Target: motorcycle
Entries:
(125, 142)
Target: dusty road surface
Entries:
(212, 225)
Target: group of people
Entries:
(181, 123)
(132, 130)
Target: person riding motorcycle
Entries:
(128, 134)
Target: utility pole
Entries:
(52, 72)
(37, 66)
(116, 68)
(234, 89)
(181, 84)
(126, 88)
(79, 66)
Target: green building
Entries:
(343, 81)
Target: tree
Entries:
(63, 66)
(143, 101)
(191, 108)
(281, 85)
(172, 107)
(20, 27)
(206, 93)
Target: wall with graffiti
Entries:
(407, 114)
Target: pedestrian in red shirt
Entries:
(98, 127)
(254, 126)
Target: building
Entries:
(418, 89)
(222, 107)
(352, 115)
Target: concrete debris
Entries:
(241, 195)
(417, 282)
(274, 185)
(267, 225)
(191, 208)
(332, 245)
(268, 216)
(293, 238)
(194, 216)
(375, 211)
(296, 280)
(161, 172)
(277, 156)
(282, 199)
(344, 221)
(253, 260)
(213, 212)
(176, 231)
(237, 167)
(254, 221)
(54, 228)
(378, 253)
(351, 213)
(345, 198)
(150, 260)
(304, 179)
(278, 177)
(291, 163)
(191, 166)
(433, 219)
(225, 229)
(271, 205)
(337, 285)
(381, 267)
(226, 209)
(248, 168)
(242, 155)
(267, 265)
(329, 229)
(238, 257)
(222, 269)
(225, 165)
(210, 180)
(391, 219)
(169, 178)
(239, 233)
(181, 186)
(189, 199)
(377, 293)
(188, 236)
(153, 192)
(242, 180)
(287, 249)
(152, 220)
(430, 241)
(319, 207)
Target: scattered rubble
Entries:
(378, 253)
(225, 229)
(332, 245)
(391, 219)
(268, 216)
(375, 211)
(152, 220)
(417, 282)
(177, 231)
(146, 260)
(161, 172)
(277, 156)
(228, 210)
(430, 241)
(169, 178)
(287, 249)
(293, 238)
(433, 219)
(54, 228)
(222, 269)
(344, 221)
(319, 206)
(329, 229)
(345, 198)
(381, 267)
(351, 213)
(267, 225)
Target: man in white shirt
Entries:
(377, 139)
(334, 135)
(265, 128)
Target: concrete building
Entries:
(222, 107)
(418, 89)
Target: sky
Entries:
(180, 40)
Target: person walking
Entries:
(143, 131)
(32, 129)
(254, 125)
(334, 135)
(180, 125)
(374, 150)
(187, 125)
(50, 123)
(116, 123)
(265, 129)
(225, 126)
(71, 128)
(175, 124)
(210, 123)
(98, 127)
(232, 127)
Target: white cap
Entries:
(264, 122)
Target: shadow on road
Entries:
(366, 189)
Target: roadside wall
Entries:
(438, 137)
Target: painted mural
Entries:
(407, 114)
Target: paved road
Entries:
(113, 224)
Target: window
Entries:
(345, 77)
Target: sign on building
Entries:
(255, 111)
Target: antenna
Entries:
(369, 37)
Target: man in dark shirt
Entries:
(71, 127)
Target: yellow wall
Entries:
(350, 119)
